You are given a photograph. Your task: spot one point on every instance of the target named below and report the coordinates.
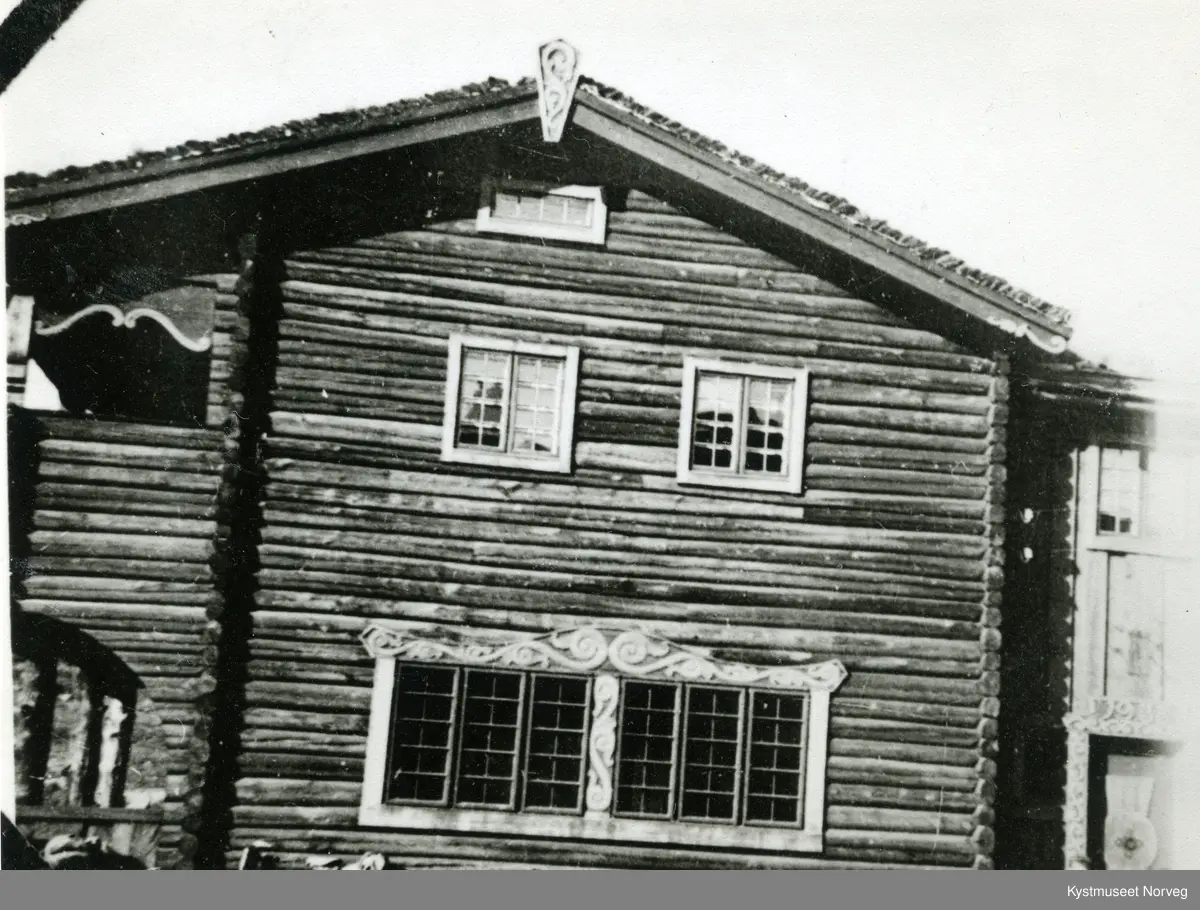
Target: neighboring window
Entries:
(595, 734)
(1120, 497)
(510, 403)
(532, 210)
(742, 425)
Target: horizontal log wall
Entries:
(126, 544)
(886, 562)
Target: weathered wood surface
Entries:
(883, 563)
(124, 544)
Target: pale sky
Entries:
(1052, 143)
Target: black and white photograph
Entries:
(459, 436)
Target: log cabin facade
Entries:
(515, 478)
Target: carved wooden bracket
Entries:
(128, 320)
(1050, 343)
(558, 74)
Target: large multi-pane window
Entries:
(510, 403)
(493, 737)
(742, 425)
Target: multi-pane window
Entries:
(1120, 497)
(573, 213)
(510, 403)
(595, 734)
(742, 425)
(481, 738)
(468, 737)
(711, 754)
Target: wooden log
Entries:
(529, 309)
(168, 569)
(719, 632)
(944, 843)
(126, 433)
(368, 572)
(53, 520)
(440, 849)
(766, 273)
(652, 495)
(897, 821)
(92, 451)
(136, 479)
(130, 545)
(931, 799)
(909, 752)
(480, 545)
(268, 791)
(604, 295)
(107, 500)
(316, 721)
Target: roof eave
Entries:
(172, 177)
(610, 122)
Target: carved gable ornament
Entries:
(558, 74)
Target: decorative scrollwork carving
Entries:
(558, 74)
(128, 320)
(17, 219)
(602, 743)
(626, 652)
(1053, 344)
(1134, 718)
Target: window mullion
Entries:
(510, 396)
(746, 757)
(676, 791)
(456, 712)
(517, 784)
(739, 431)
(741, 760)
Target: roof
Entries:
(32, 197)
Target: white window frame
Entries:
(1091, 536)
(793, 480)
(608, 656)
(560, 461)
(487, 222)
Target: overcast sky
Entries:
(1055, 144)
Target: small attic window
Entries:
(574, 213)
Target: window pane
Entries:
(422, 729)
(712, 741)
(557, 722)
(538, 398)
(767, 407)
(483, 401)
(491, 719)
(579, 211)
(646, 763)
(774, 785)
(714, 425)
(1120, 491)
